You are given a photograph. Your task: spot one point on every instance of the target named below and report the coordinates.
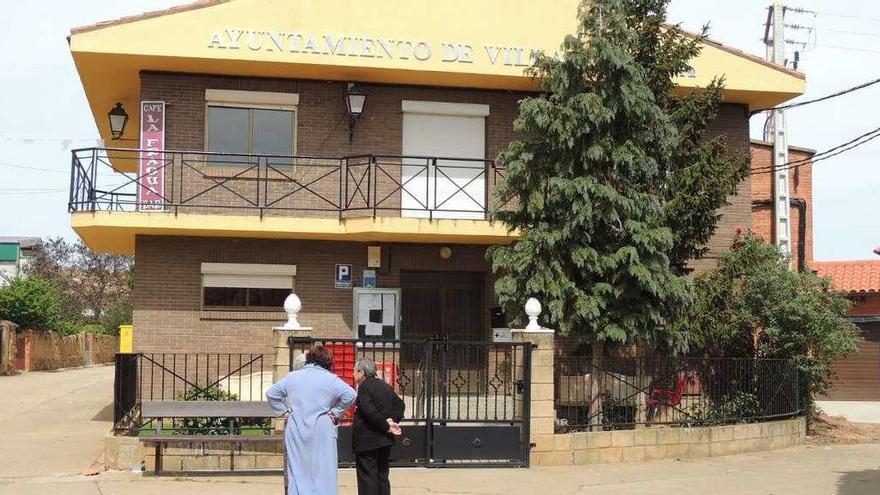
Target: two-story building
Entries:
(341, 149)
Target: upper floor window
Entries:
(250, 123)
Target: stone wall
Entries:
(667, 443)
(46, 350)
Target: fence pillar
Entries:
(7, 341)
(542, 408)
(281, 366)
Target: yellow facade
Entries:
(459, 43)
(477, 44)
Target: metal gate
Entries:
(467, 403)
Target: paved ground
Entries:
(51, 425)
(54, 421)
(853, 410)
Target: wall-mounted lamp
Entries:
(354, 101)
(118, 119)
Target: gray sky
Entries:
(45, 111)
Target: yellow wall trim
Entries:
(114, 232)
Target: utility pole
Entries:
(775, 27)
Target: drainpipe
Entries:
(801, 205)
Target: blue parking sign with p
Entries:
(343, 276)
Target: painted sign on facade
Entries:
(151, 169)
(370, 47)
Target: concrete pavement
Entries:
(54, 422)
(52, 425)
(843, 470)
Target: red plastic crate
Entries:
(344, 356)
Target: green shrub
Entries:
(738, 407)
(32, 303)
(215, 426)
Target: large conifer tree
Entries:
(612, 186)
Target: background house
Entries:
(15, 253)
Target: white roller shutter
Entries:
(251, 276)
(435, 129)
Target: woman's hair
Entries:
(367, 366)
(320, 356)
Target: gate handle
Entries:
(477, 442)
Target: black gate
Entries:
(467, 403)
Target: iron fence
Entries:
(623, 392)
(465, 381)
(110, 179)
(467, 403)
(185, 377)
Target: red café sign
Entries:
(151, 170)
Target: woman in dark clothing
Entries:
(378, 412)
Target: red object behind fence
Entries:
(344, 356)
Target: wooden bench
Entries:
(159, 410)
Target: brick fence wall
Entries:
(46, 350)
(668, 443)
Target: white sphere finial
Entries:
(292, 306)
(533, 310)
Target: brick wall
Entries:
(167, 291)
(322, 130)
(800, 186)
(733, 122)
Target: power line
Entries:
(38, 169)
(31, 189)
(824, 155)
(864, 50)
(818, 155)
(31, 193)
(833, 14)
(826, 97)
(857, 33)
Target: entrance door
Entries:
(443, 305)
(444, 188)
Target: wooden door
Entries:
(443, 305)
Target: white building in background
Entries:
(15, 254)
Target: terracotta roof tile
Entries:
(851, 276)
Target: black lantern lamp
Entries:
(118, 119)
(354, 102)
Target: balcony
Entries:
(360, 198)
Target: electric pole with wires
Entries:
(774, 39)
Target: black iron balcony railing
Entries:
(118, 179)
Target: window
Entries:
(250, 123)
(246, 287)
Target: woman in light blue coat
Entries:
(312, 398)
